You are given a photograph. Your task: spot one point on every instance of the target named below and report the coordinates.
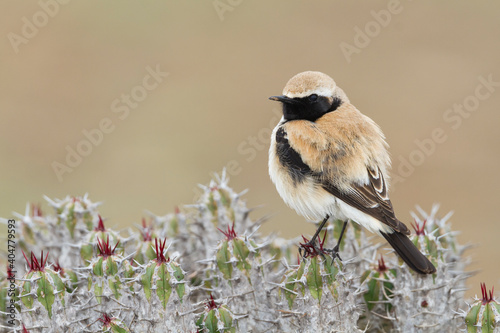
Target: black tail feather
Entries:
(409, 253)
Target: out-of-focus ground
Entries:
(211, 111)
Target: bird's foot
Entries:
(313, 249)
(334, 253)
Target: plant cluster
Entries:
(206, 268)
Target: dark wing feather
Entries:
(409, 253)
(371, 199)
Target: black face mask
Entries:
(309, 108)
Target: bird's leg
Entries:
(316, 234)
(335, 251)
(303, 249)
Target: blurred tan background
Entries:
(68, 67)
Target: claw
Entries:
(334, 253)
(313, 249)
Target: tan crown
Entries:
(308, 83)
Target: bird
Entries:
(328, 160)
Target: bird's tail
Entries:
(409, 253)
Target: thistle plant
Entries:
(206, 267)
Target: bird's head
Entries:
(309, 95)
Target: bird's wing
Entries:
(297, 148)
(370, 198)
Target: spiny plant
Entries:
(162, 275)
(42, 282)
(216, 318)
(92, 238)
(483, 314)
(206, 268)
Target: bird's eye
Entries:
(313, 97)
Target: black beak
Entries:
(283, 99)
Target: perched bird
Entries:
(327, 159)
